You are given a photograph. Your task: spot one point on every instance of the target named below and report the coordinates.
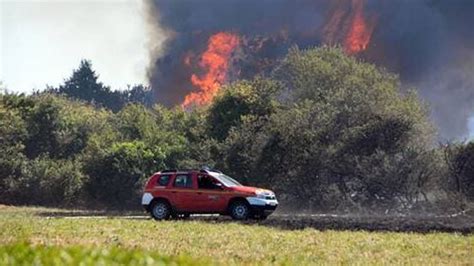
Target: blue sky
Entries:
(42, 41)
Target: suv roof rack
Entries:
(202, 170)
(178, 170)
(205, 169)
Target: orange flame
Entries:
(360, 31)
(215, 60)
(348, 25)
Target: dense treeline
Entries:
(323, 130)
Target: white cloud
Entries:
(42, 41)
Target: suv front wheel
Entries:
(161, 210)
(239, 210)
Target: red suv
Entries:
(174, 193)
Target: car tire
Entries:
(239, 210)
(160, 210)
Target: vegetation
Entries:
(33, 235)
(83, 85)
(325, 131)
(460, 160)
(24, 254)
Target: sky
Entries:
(471, 128)
(42, 41)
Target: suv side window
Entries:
(185, 181)
(163, 180)
(207, 182)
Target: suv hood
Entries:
(248, 190)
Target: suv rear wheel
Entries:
(239, 210)
(160, 210)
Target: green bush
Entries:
(117, 175)
(460, 160)
(45, 181)
(257, 97)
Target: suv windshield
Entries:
(226, 180)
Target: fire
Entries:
(215, 61)
(349, 25)
(360, 30)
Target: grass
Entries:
(29, 238)
(25, 254)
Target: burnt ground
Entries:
(461, 223)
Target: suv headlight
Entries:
(262, 194)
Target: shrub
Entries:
(44, 181)
(117, 175)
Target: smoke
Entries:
(428, 42)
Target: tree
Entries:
(55, 125)
(257, 97)
(117, 175)
(43, 128)
(342, 133)
(460, 160)
(139, 94)
(13, 134)
(84, 85)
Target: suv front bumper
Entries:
(262, 206)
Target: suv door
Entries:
(159, 184)
(184, 193)
(211, 196)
